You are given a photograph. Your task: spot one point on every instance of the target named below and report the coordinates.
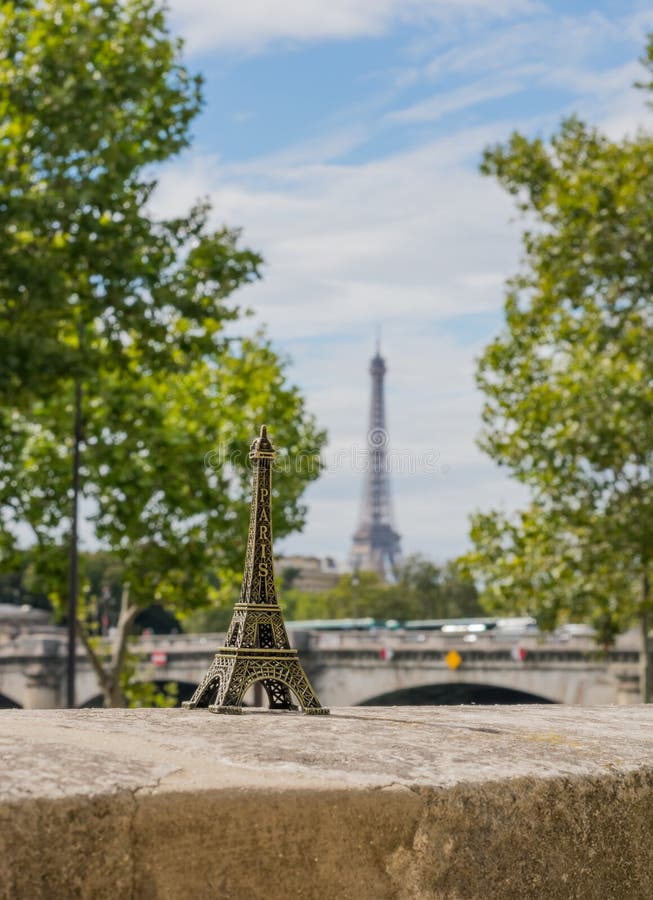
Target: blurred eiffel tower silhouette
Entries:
(376, 544)
(257, 649)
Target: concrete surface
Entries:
(453, 803)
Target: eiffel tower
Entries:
(376, 544)
(257, 647)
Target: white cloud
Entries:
(453, 100)
(408, 241)
(545, 43)
(254, 24)
(411, 240)
(542, 52)
(415, 234)
(542, 41)
(607, 97)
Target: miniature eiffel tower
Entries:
(257, 647)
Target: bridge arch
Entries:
(364, 680)
(94, 702)
(185, 690)
(7, 703)
(454, 693)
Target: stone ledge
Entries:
(429, 802)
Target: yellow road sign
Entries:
(453, 659)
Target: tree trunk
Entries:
(73, 576)
(96, 661)
(123, 630)
(108, 675)
(645, 673)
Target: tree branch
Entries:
(128, 613)
(94, 657)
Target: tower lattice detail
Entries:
(257, 647)
(376, 544)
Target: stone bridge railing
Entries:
(352, 668)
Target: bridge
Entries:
(351, 668)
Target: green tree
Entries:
(16, 582)
(93, 93)
(422, 590)
(427, 591)
(568, 391)
(113, 317)
(354, 596)
(166, 472)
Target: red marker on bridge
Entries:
(518, 653)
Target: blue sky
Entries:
(344, 137)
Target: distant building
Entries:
(307, 573)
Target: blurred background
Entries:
(415, 239)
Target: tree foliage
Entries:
(97, 291)
(91, 93)
(567, 384)
(423, 590)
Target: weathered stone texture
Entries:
(440, 803)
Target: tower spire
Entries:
(376, 545)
